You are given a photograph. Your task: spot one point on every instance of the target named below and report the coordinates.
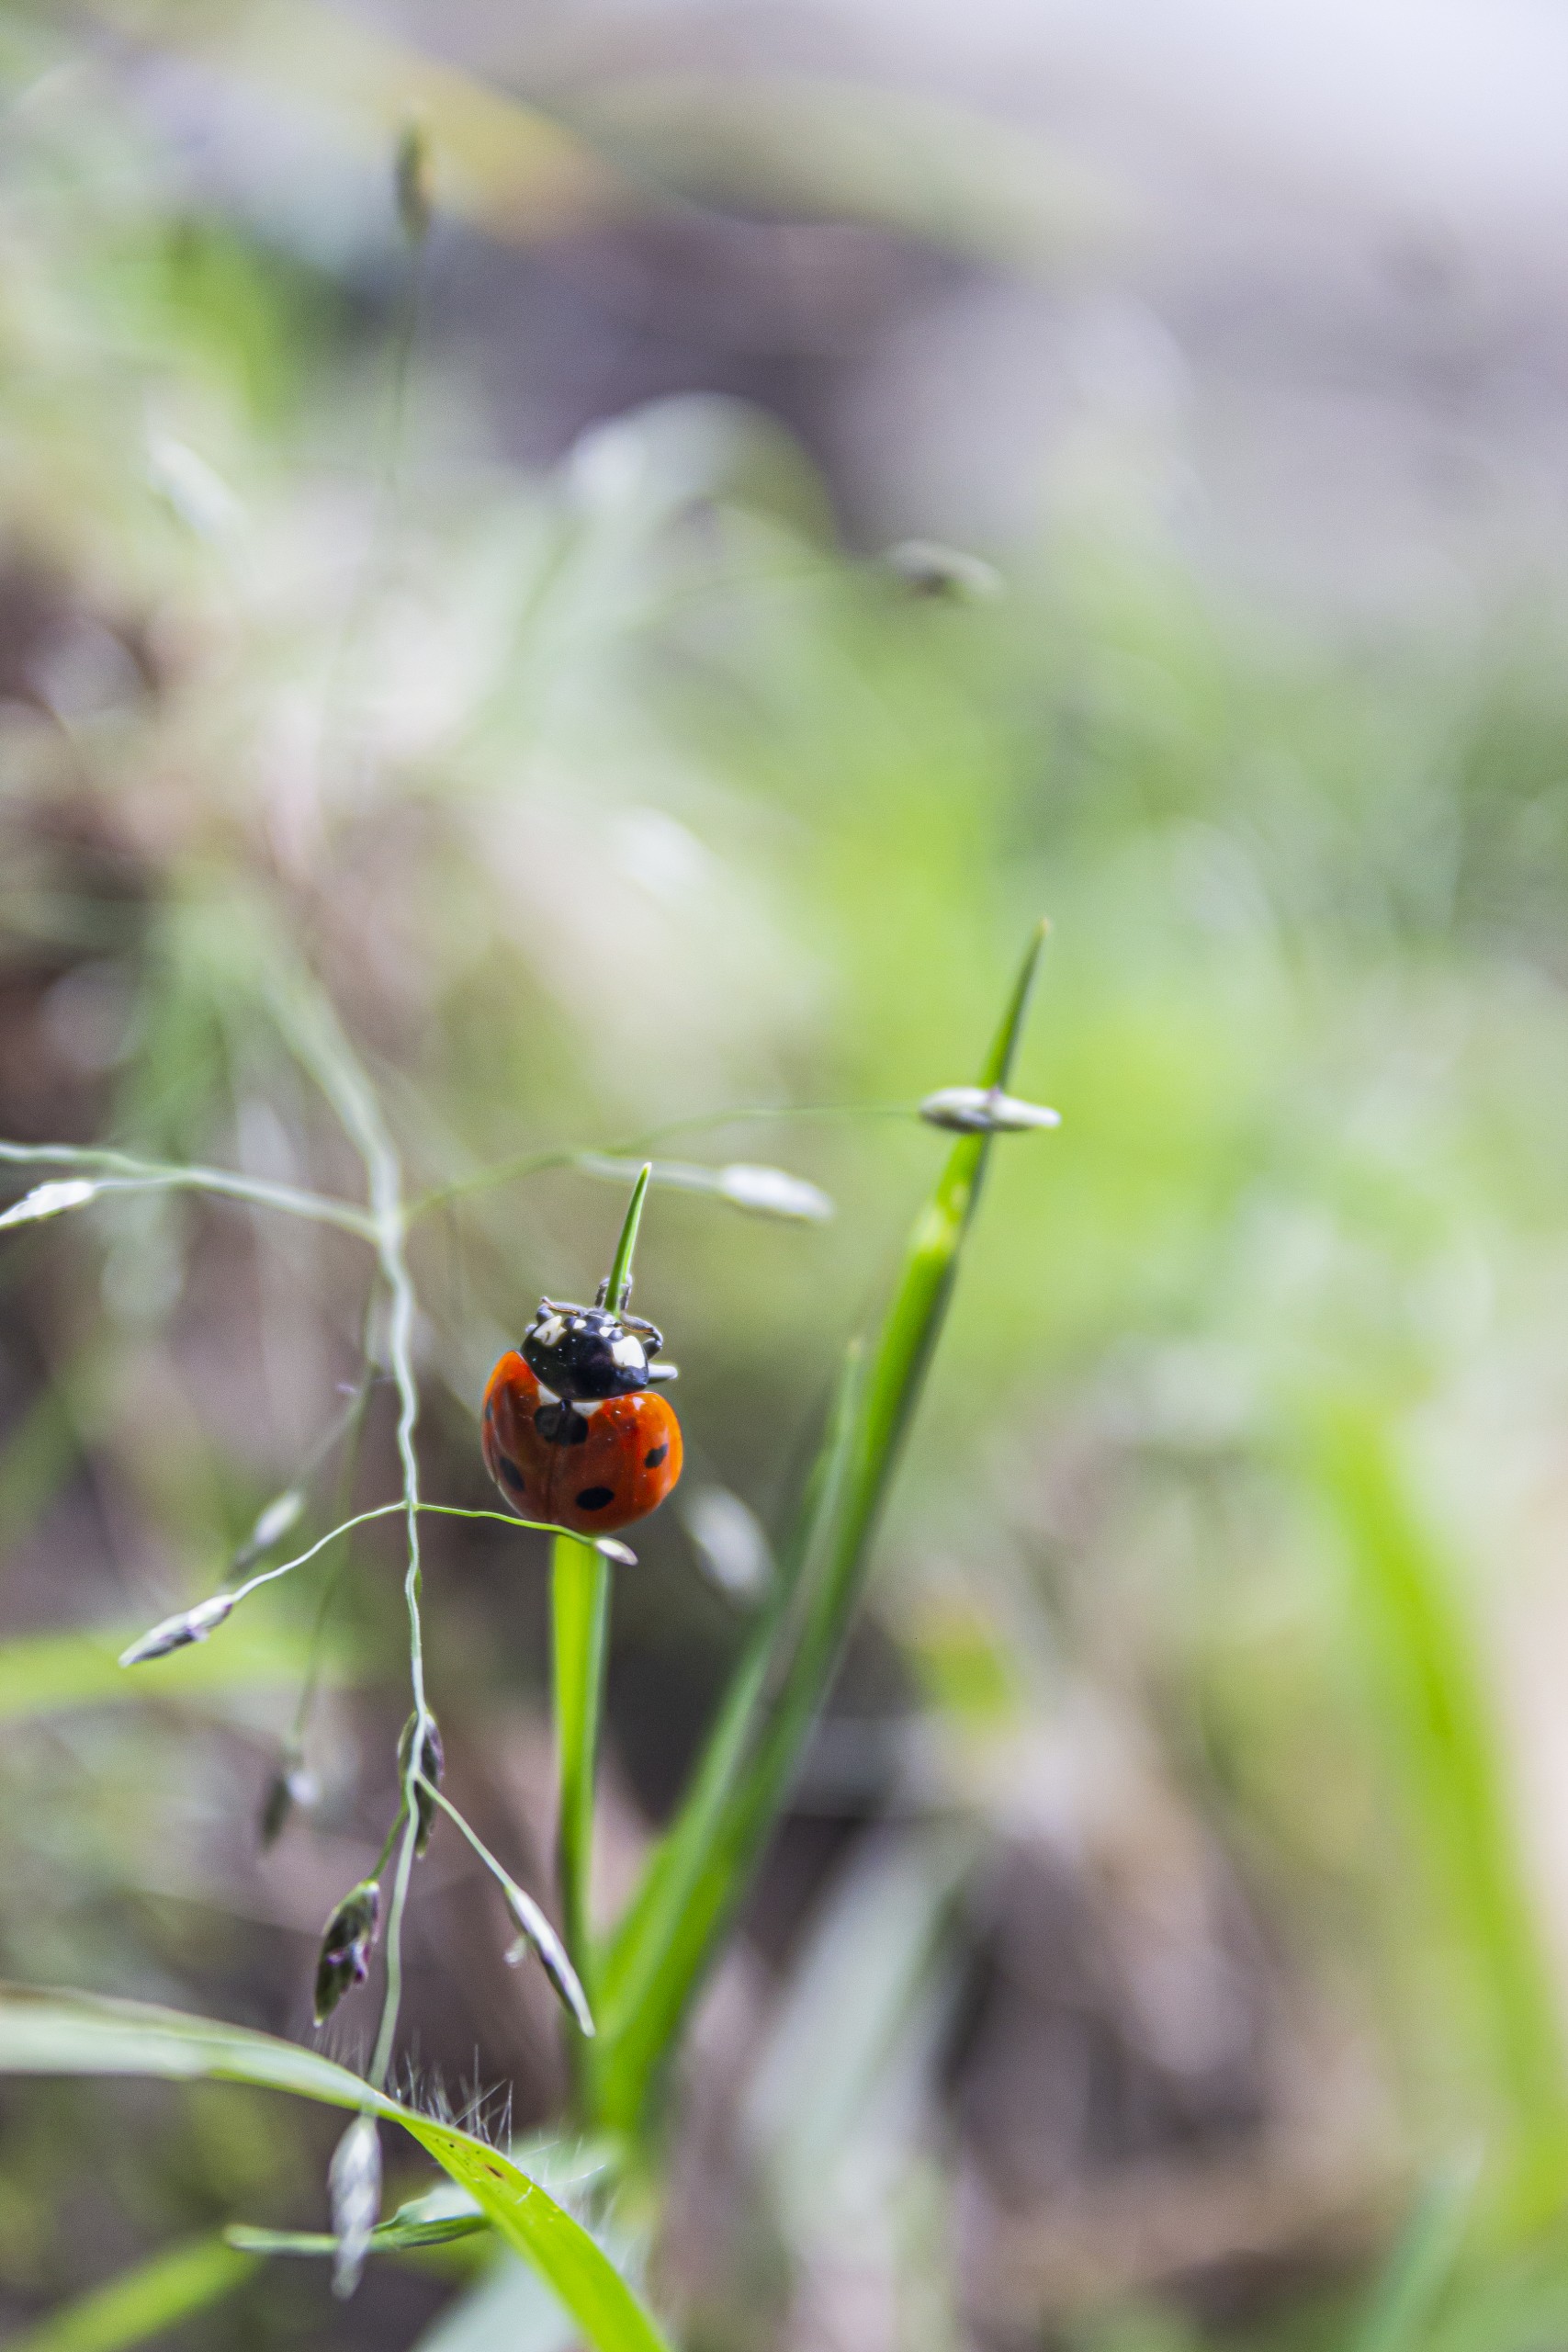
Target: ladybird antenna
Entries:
(617, 1288)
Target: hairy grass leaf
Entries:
(59, 2033)
(701, 1869)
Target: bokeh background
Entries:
(1177, 1889)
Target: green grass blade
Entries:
(621, 1265)
(580, 1610)
(702, 1869)
(74, 2033)
(675, 1898)
(145, 2302)
(1406, 2297)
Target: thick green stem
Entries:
(580, 1602)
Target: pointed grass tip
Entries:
(178, 1632)
(984, 1110)
(610, 1547)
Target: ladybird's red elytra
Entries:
(591, 1466)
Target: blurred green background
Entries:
(1177, 1892)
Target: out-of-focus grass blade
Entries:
(1432, 1696)
(1420, 2267)
(42, 1672)
(142, 2303)
(73, 2033)
(702, 1868)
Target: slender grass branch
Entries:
(613, 1161)
(530, 1919)
(380, 2064)
(196, 1624)
(390, 1839)
(123, 1172)
(744, 1113)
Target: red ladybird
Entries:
(574, 1433)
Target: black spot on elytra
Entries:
(595, 1497)
(559, 1425)
(513, 1476)
(651, 1461)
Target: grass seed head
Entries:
(345, 1958)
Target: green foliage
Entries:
(1241, 1505)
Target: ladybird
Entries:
(574, 1431)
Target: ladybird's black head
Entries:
(585, 1354)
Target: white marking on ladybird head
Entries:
(551, 1333)
(627, 1349)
